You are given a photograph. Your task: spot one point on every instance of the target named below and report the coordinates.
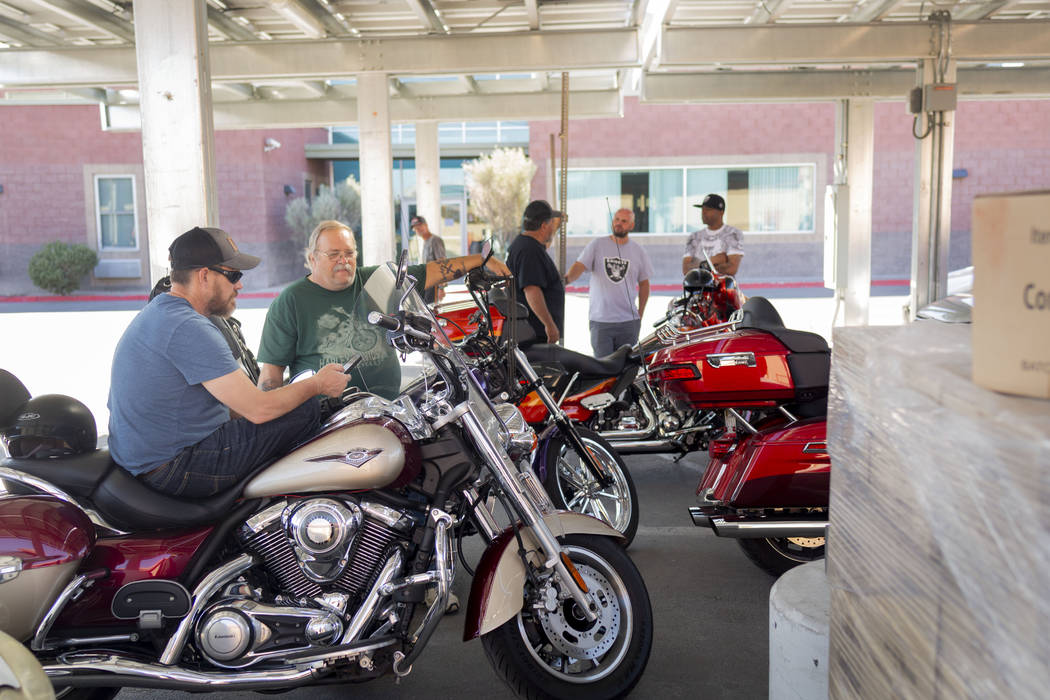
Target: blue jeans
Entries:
(233, 451)
(606, 337)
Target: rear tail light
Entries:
(721, 447)
(679, 372)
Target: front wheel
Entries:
(548, 650)
(777, 555)
(571, 485)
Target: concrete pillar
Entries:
(178, 142)
(932, 218)
(428, 174)
(860, 162)
(799, 622)
(377, 164)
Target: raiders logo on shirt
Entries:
(616, 268)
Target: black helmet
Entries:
(697, 279)
(13, 394)
(51, 426)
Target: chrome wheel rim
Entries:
(581, 492)
(567, 647)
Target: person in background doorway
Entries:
(618, 267)
(535, 274)
(433, 249)
(719, 240)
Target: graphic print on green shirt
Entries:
(308, 326)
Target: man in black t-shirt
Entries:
(534, 272)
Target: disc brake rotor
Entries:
(807, 542)
(571, 634)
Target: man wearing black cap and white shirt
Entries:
(175, 385)
(433, 249)
(534, 272)
(719, 240)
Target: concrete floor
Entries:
(710, 610)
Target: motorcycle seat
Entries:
(759, 313)
(132, 505)
(78, 475)
(608, 366)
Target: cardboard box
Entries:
(1011, 290)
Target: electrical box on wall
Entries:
(836, 235)
(932, 97)
(939, 97)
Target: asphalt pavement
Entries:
(710, 614)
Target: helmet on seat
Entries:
(50, 426)
(697, 279)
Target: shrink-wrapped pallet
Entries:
(938, 550)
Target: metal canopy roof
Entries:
(295, 62)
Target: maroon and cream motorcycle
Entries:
(333, 563)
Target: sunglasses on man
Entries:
(234, 276)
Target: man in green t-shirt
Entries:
(313, 321)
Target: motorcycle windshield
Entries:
(384, 370)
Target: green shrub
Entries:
(58, 267)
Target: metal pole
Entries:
(931, 227)
(564, 179)
(563, 186)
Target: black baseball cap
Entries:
(538, 213)
(417, 219)
(208, 247)
(712, 201)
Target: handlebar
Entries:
(410, 328)
(483, 279)
(391, 323)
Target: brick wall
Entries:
(1003, 144)
(45, 150)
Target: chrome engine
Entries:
(324, 553)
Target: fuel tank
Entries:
(781, 467)
(747, 368)
(456, 319)
(367, 453)
(42, 542)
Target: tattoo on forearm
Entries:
(268, 384)
(451, 269)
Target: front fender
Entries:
(495, 595)
(539, 460)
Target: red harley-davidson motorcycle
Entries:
(315, 569)
(750, 390)
(609, 395)
(767, 480)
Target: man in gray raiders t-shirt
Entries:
(618, 267)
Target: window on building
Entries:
(504, 133)
(759, 199)
(116, 216)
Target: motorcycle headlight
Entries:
(522, 438)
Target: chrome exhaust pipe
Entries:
(759, 528)
(110, 670)
(621, 435)
(644, 446)
(88, 669)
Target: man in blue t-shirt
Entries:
(184, 418)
